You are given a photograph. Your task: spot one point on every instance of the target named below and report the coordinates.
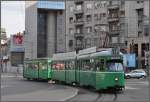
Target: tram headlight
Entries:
(116, 79)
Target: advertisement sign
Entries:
(57, 5)
(129, 60)
(17, 39)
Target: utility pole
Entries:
(149, 39)
(0, 46)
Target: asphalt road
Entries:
(19, 89)
(136, 90)
(15, 88)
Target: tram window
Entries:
(78, 64)
(42, 65)
(92, 64)
(86, 65)
(30, 65)
(54, 65)
(100, 64)
(71, 65)
(26, 66)
(58, 66)
(97, 65)
(67, 65)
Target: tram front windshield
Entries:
(115, 66)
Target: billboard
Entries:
(17, 40)
(56, 5)
(17, 43)
(129, 60)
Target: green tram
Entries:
(100, 70)
(37, 69)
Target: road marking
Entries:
(130, 88)
(10, 76)
(139, 83)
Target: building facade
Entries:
(86, 24)
(79, 24)
(4, 45)
(137, 14)
(17, 49)
(44, 28)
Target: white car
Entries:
(139, 73)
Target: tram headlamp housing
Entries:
(116, 79)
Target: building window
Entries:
(97, 16)
(71, 8)
(87, 42)
(88, 18)
(71, 20)
(89, 6)
(79, 29)
(135, 49)
(79, 18)
(103, 15)
(146, 30)
(144, 47)
(42, 35)
(70, 43)
(139, 2)
(88, 29)
(101, 4)
(79, 7)
(71, 31)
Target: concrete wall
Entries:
(130, 14)
(51, 33)
(30, 29)
(61, 36)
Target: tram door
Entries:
(78, 67)
(43, 69)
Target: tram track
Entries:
(95, 96)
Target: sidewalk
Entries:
(13, 74)
(22, 90)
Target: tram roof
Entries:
(104, 53)
(64, 56)
(38, 59)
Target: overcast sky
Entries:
(13, 16)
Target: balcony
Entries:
(78, 35)
(121, 45)
(113, 19)
(79, 47)
(78, 1)
(114, 32)
(79, 22)
(113, 6)
(80, 11)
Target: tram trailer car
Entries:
(37, 69)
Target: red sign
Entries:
(18, 39)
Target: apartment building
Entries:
(108, 24)
(86, 24)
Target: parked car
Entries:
(139, 73)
